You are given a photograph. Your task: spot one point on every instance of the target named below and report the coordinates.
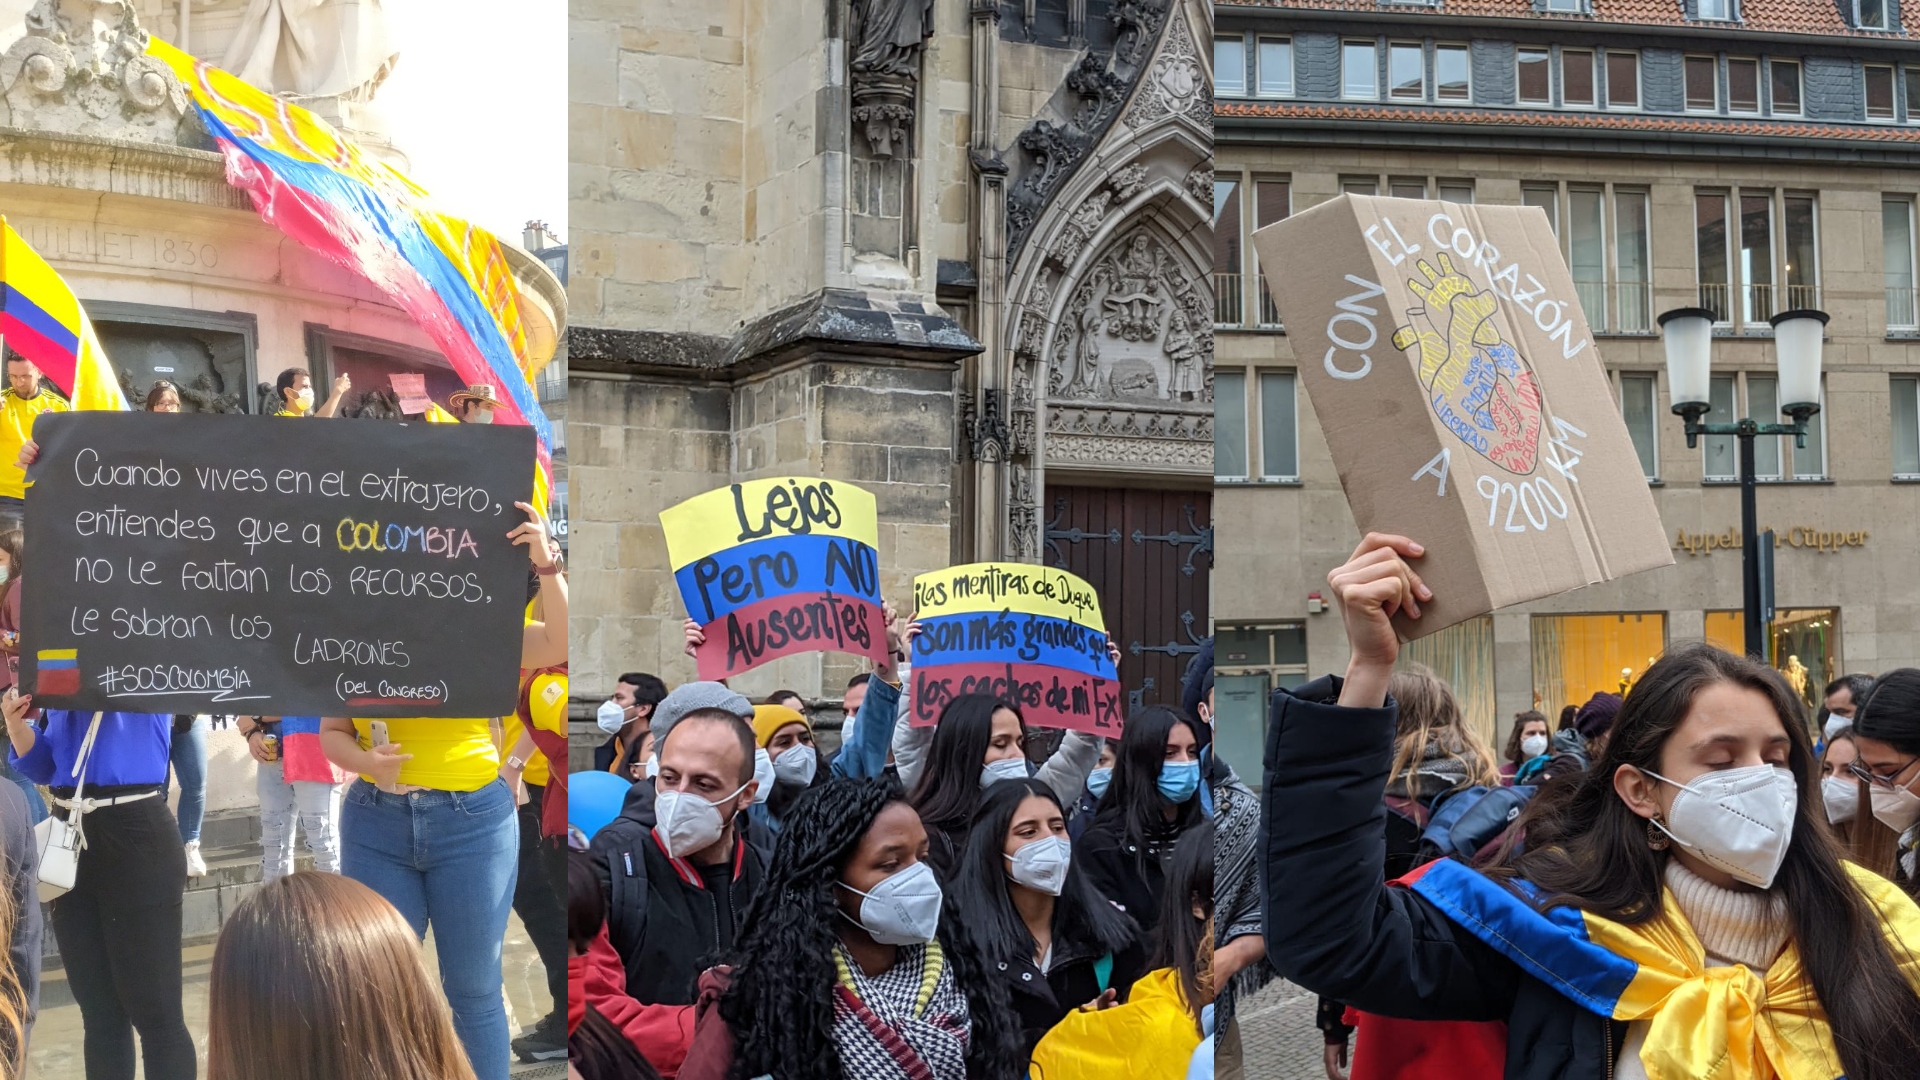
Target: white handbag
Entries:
(60, 842)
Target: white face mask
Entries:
(1005, 769)
(903, 909)
(480, 416)
(686, 823)
(1042, 864)
(763, 773)
(1896, 808)
(797, 764)
(1834, 724)
(653, 766)
(1738, 820)
(1842, 797)
(305, 398)
(1533, 746)
(611, 717)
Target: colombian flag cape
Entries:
(1723, 1022)
(43, 321)
(320, 189)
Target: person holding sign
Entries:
(1679, 909)
(21, 403)
(119, 926)
(430, 825)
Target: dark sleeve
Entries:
(1330, 1017)
(23, 872)
(1332, 925)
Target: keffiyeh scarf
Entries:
(910, 1022)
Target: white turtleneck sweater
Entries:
(1736, 926)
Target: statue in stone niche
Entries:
(1133, 305)
(888, 38)
(1188, 381)
(313, 48)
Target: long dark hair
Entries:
(1889, 712)
(948, 791)
(1132, 806)
(779, 1005)
(1181, 941)
(979, 889)
(1520, 722)
(1585, 848)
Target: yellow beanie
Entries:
(768, 719)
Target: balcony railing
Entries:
(1269, 313)
(1903, 307)
(1759, 302)
(1619, 307)
(1228, 303)
(1714, 297)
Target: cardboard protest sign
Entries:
(1459, 388)
(411, 391)
(261, 565)
(1030, 634)
(776, 567)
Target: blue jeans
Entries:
(189, 755)
(446, 859)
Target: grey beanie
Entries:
(692, 697)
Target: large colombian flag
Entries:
(43, 321)
(320, 189)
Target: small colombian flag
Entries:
(57, 671)
(42, 320)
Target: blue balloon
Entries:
(593, 799)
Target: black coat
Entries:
(1334, 927)
(1071, 980)
(1121, 872)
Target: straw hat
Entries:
(480, 392)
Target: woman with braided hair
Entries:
(848, 967)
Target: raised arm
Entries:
(544, 644)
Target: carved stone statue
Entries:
(888, 39)
(1183, 353)
(313, 48)
(1133, 306)
(81, 69)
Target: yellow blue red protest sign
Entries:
(778, 566)
(1030, 634)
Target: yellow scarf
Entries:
(1729, 1023)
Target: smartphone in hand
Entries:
(377, 730)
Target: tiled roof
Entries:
(1818, 17)
(1749, 127)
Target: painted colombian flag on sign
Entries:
(56, 671)
(300, 754)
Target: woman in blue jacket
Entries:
(1678, 910)
(119, 926)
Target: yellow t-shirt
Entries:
(548, 703)
(16, 427)
(452, 755)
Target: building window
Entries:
(1873, 14)
(1275, 59)
(1578, 656)
(1879, 91)
(1736, 274)
(1913, 94)
(1703, 84)
(1906, 427)
(1251, 660)
(1360, 185)
(1623, 80)
(1774, 456)
(1458, 191)
(1406, 71)
(1743, 84)
(1279, 435)
(1452, 73)
(1632, 310)
(1226, 253)
(1230, 65)
(1360, 70)
(1587, 251)
(1786, 86)
(1462, 656)
(1535, 79)
(1407, 187)
(1230, 424)
(1896, 247)
(1639, 407)
(1546, 198)
(1272, 201)
(1576, 76)
(1716, 10)
(1577, 7)
(1809, 635)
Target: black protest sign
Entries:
(272, 566)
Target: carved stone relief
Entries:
(1138, 327)
(81, 69)
(1175, 85)
(888, 39)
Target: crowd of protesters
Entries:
(974, 898)
(1695, 878)
(439, 828)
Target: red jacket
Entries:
(662, 1033)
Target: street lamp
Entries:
(1797, 339)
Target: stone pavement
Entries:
(1278, 1039)
(56, 1050)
